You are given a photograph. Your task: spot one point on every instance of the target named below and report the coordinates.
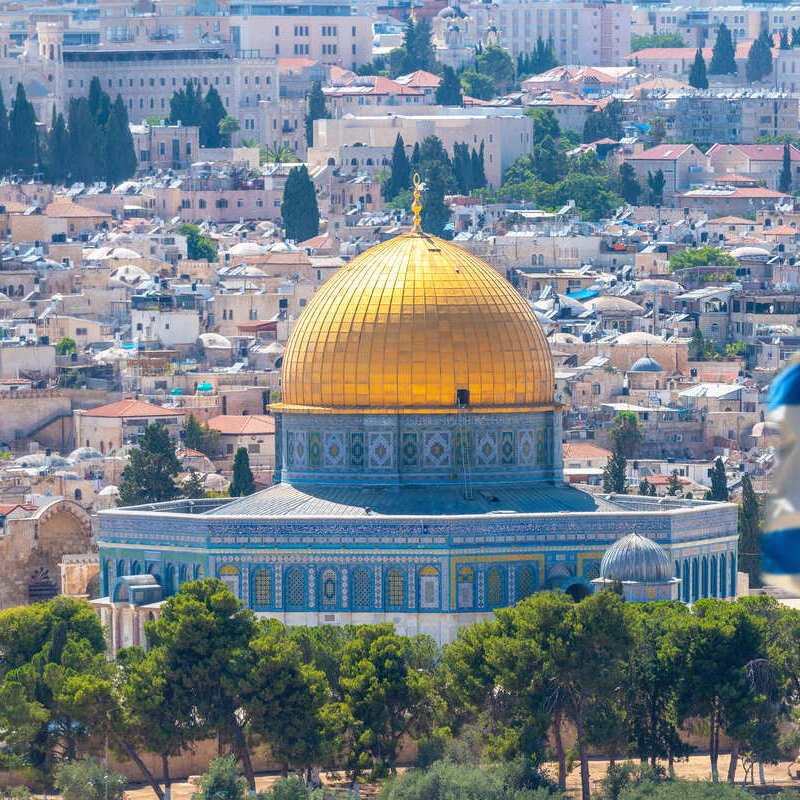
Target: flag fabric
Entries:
(780, 542)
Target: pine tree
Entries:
(549, 160)
(119, 149)
(198, 436)
(785, 177)
(316, 109)
(299, 208)
(697, 74)
(399, 178)
(23, 138)
(646, 489)
(242, 482)
(614, 473)
(5, 146)
(152, 467)
(58, 151)
(719, 482)
(750, 533)
(723, 56)
(212, 112)
(418, 46)
(629, 186)
(448, 92)
(674, 487)
(759, 59)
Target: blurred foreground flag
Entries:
(780, 543)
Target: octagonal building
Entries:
(418, 469)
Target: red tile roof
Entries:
(583, 450)
(69, 210)
(730, 221)
(420, 79)
(760, 152)
(7, 508)
(661, 152)
(242, 425)
(132, 408)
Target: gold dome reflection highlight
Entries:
(405, 325)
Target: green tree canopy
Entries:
(614, 481)
(199, 247)
(626, 434)
(697, 73)
(540, 59)
(700, 257)
(750, 532)
(222, 781)
(198, 436)
(646, 41)
(495, 63)
(545, 124)
(23, 138)
(5, 142)
(399, 176)
(65, 346)
(719, 482)
(119, 150)
(88, 779)
(629, 187)
(448, 92)
(152, 467)
(655, 187)
(759, 59)
(604, 124)
(299, 208)
(477, 85)
(785, 177)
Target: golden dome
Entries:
(405, 325)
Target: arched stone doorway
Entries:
(577, 591)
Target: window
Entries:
(429, 587)
(229, 575)
(328, 588)
(295, 592)
(495, 588)
(361, 588)
(395, 590)
(525, 583)
(466, 587)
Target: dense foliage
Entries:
(242, 482)
(187, 106)
(199, 246)
(316, 109)
(299, 208)
(625, 677)
(704, 256)
(151, 470)
(723, 56)
(646, 41)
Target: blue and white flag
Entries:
(780, 542)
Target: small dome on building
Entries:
(638, 338)
(749, 251)
(636, 558)
(646, 364)
(613, 305)
(247, 249)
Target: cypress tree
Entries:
(674, 487)
(655, 187)
(697, 74)
(750, 533)
(400, 171)
(795, 37)
(629, 187)
(759, 59)
(86, 157)
(212, 111)
(299, 208)
(723, 56)
(785, 40)
(99, 102)
(719, 482)
(435, 212)
(614, 472)
(316, 109)
(448, 92)
(242, 482)
(5, 145)
(785, 177)
(58, 150)
(478, 171)
(22, 135)
(119, 150)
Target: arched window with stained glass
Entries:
(524, 582)
(723, 570)
(295, 588)
(135, 568)
(328, 588)
(199, 573)
(261, 591)
(466, 587)
(395, 588)
(361, 588)
(713, 574)
(183, 574)
(429, 588)
(230, 576)
(496, 587)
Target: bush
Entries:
(222, 781)
(291, 788)
(88, 779)
(685, 790)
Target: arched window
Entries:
(183, 574)
(524, 584)
(496, 587)
(714, 574)
(295, 587)
(136, 568)
(262, 587)
(361, 588)
(429, 587)
(120, 569)
(732, 587)
(704, 577)
(395, 588)
(229, 575)
(328, 583)
(169, 580)
(466, 587)
(199, 572)
(41, 587)
(108, 576)
(686, 582)
(695, 580)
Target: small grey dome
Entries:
(646, 364)
(636, 558)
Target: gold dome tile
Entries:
(406, 324)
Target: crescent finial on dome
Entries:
(416, 206)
